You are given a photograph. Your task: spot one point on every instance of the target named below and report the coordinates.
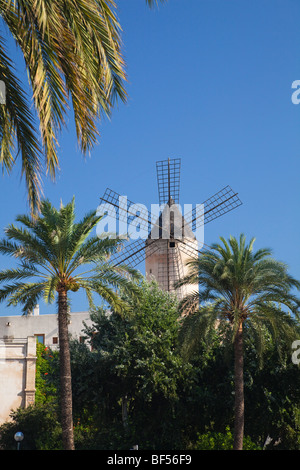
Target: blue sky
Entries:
(209, 81)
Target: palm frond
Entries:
(72, 53)
(93, 251)
(248, 285)
(28, 295)
(17, 132)
(49, 291)
(24, 293)
(197, 329)
(23, 272)
(93, 285)
(53, 248)
(30, 247)
(280, 324)
(152, 3)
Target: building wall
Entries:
(21, 326)
(167, 264)
(17, 374)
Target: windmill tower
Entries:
(170, 240)
(168, 263)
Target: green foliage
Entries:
(204, 402)
(272, 397)
(170, 403)
(240, 291)
(39, 424)
(140, 346)
(135, 361)
(46, 367)
(221, 441)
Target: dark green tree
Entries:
(40, 425)
(272, 396)
(137, 365)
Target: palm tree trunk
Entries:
(65, 372)
(125, 412)
(239, 390)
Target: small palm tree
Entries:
(239, 288)
(50, 250)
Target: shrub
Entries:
(221, 441)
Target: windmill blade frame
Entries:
(134, 253)
(168, 180)
(113, 199)
(217, 205)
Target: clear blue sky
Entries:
(210, 83)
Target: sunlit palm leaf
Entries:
(17, 130)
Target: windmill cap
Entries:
(171, 224)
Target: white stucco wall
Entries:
(168, 264)
(21, 326)
(17, 374)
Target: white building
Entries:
(44, 327)
(18, 337)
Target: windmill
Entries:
(170, 241)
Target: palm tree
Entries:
(239, 288)
(50, 250)
(72, 53)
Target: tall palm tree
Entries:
(239, 288)
(72, 54)
(50, 250)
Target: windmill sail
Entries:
(125, 210)
(219, 204)
(168, 179)
(134, 253)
